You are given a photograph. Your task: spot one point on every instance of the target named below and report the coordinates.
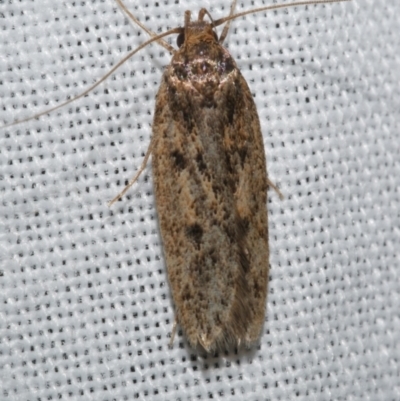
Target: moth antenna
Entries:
(276, 189)
(113, 69)
(163, 43)
(273, 7)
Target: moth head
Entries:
(180, 40)
(197, 29)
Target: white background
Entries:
(85, 308)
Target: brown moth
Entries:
(211, 184)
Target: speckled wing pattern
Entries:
(210, 183)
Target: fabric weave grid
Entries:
(86, 311)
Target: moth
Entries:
(211, 182)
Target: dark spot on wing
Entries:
(179, 159)
(242, 225)
(243, 154)
(200, 163)
(230, 109)
(195, 233)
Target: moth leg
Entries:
(275, 188)
(173, 333)
(136, 176)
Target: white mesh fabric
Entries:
(85, 307)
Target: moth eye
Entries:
(180, 39)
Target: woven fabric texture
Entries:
(85, 307)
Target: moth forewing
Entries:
(211, 184)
